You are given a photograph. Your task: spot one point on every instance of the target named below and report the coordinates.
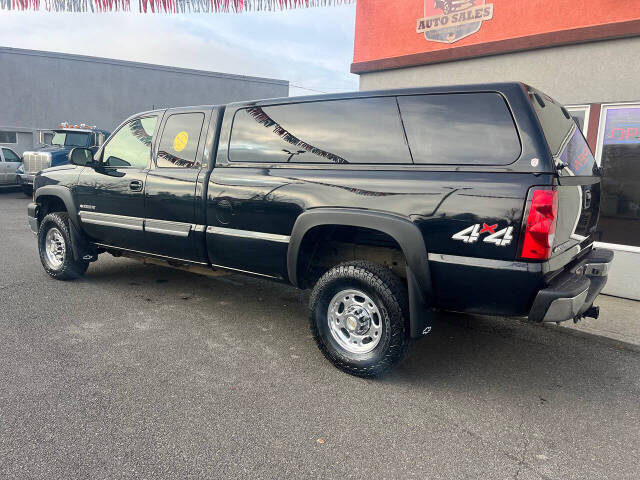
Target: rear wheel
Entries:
(54, 245)
(358, 313)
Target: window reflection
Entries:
(471, 129)
(265, 120)
(620, 204)
(180, 140)
(576, 154)
(363, 130)
(131, 145)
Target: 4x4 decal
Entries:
(471, 234)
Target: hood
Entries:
(57, 168)
(53, 149)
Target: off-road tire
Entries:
(70, 268)
(27, 190)
(389, 295)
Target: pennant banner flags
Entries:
(166, 6)
(266, 121)
(90, 6)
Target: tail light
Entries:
(540, 228)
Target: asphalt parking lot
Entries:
(139, 371)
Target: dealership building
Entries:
(39, 90)
(585, 54)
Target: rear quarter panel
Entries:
(440, 204)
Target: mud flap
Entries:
(81, 248)
(421, 316)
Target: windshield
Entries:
(70, 139)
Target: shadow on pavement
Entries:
(463, 352)
(489, 355)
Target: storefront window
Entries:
(619, 153)
(580, 114)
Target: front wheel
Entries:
(54, 245)
(358, 318)
(27, 190)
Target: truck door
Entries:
(110, 197)
(11, 163)
(172, 224)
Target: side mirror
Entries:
(81, 156)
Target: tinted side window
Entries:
(131, 145)
(461, 129)
(366, 130)
(179, 143)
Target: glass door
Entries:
(618, 153)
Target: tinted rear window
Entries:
(564, 137)
(463, 129)
(362, 130)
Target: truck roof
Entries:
(81, 130)
(478, 87)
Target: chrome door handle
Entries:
(136, 185)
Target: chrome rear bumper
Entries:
(572, 293)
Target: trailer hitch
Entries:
(591, 312)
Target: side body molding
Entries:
(400, 229)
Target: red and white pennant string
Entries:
(166, 6)
(91, 6)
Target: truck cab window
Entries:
(180, 139)
(131, 145)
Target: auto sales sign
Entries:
(448, 21)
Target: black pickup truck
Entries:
(391, 205)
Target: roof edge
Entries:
(131, 64)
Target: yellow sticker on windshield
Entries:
(180, 142)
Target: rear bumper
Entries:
(572, 293)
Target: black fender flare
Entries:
(401, 229)
(79, 243)
(64, 194)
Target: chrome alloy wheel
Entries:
(55, 248)
(354, 321)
